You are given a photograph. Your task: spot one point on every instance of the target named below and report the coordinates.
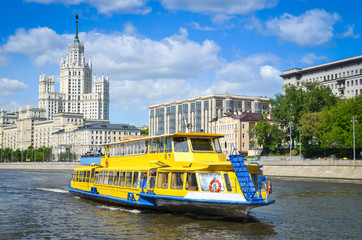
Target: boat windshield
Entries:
(217, 145)
(180, 144)
(201, 144)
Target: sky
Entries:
(157, 51)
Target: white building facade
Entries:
(195, 114)
(344, 76)
(77, 93)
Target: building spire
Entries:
(76, 39)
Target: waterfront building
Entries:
(235, 128)
(66, 132)
(344, 76)
(89, 137)
(77, 93)
(195, 114)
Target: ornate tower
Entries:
(75, 74)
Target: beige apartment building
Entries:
(195, 114)
(235, 129)
(344, 76)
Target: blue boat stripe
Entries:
(145, 195)
(182, 199)
(140, 203)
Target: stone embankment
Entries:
(327, 169)
(332, 169)
(40, 165)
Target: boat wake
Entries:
(135, 211)
(57, 190)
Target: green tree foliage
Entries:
(145, 131)
(332, 128)
(268, 135)
(290, 107)
(67, 156)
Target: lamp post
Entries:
(290, 141)
(300, 144)
(353, 120)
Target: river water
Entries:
(37, 205)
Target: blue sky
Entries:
(163, 50)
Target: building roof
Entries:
(295, 71)
(105, 127)
(214, 95)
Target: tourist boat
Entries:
(180, 173)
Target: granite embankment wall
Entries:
(40, 165)
(333, 169)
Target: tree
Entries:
(145, 131)
(268, 135)
(332, 128)
(310, 97)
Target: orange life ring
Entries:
(269, 187)
(106, 162)
(218, 184)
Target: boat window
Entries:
(211, 180)
(153, 178)
(81, 176)
(201, 144)
(105, 178)
(116, 178)
(96, 177)
(177, 180)
(152, 145)
(128, 179)
(191, 182)
(144, 146)
(180, 144)
(143, 180)
(217, 145)
(227, 182)
(92, 175)
(135, 179)
(110, 178)
(122, 179)
(100, 177)
(87, 178)
(162, 180)
(168, 145)
(160, 145)
(76, 176)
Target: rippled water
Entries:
(36, 205)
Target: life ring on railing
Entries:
(269, 187)
(212, 183)
(106, 162)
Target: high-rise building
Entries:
(344, 76)
(77, 94)
(195, 114)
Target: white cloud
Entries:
(255, 75)
(241, 7)
(313, 28)
(109, 7)
(197, 26)
(10, 87)
(133, 57)
(311, 58)
(349, 33)
(42, 45)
